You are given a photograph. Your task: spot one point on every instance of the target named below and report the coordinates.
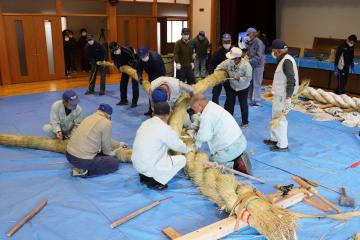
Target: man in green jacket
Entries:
(183, 56)
(201, 47)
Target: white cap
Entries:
(235, 52)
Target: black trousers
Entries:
(185, 74)
(92, 80)
(99, 165)
(217, 91)
(242, 95)
(123, 89)
(342, 79)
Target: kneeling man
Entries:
(220, 131)
(89, 149)
(152, 142)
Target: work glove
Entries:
(288, 104)
(59, 135)
(192, 66)
(194, 55)
(123, 145)
(178, 66)
(191, 132)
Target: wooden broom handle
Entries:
(27, 218)
(308, 188)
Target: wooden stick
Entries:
(171, 233)
(226, 226)
(27, 218)
(311, 190)
(136, 213)
(329, 105)
(222, 167)
(316, 204)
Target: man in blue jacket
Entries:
(256, 53)
(153, 65)
(96, 52)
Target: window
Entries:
(174, 28)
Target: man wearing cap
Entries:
(240, 74)
(183, 56)
(89, 149)
(220, 131)
(285, 84)
(256, 53)
(218, 57)
(96, 52)
(153, 65)
(65, 116)
(152, 143)
(201, 47)
(125, 56)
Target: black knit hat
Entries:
(352, 38)
(161, 108)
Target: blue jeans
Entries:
(200, 67)
(227, 155)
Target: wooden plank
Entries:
(171, 233)
(228, 225)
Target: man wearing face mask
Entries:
(65, 116)
(240, 74)
(183, 56)
(218, 57)
(89, 149)
(256, 53)
(73, 45)
(81, 44)
(201, 47)
(153, 65)
(67, 55)
(285, 84)
(96, 52)
(344, 61)
(125, 56)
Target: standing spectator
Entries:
(183, 56)
(201, 48)
(73, 46)
(96, 52)
(344, 61)
(82, 43)
(256, 53)
(125, 56)
(218, 57)
(240, 73)
(67, 55)
(153, 65)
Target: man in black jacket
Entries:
(343, 61)
(96, 52)
(125, 56)
(217, 58)
(153, 65)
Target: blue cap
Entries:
(105, 108)
(142, 52)
(226, 37)
(251, 30)
(71, 97)
(159, 95)
(278, 44)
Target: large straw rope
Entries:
(342, 101)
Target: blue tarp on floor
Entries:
(84, 208)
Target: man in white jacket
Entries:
(65, 115)
(285, 84)
(152, 142)
(89, 148)
(220, 131)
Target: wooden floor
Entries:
(51, 86)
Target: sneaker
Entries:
(148, 113)
(244, 125)
(133, 105)
(77, 172)
(275, 148)
(269, 142)
(152, 183)
(101, 93)
(122, 103)
(88, 92)
(143, 179)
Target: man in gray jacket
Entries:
(256, 53)
(89, 149)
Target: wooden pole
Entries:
(136, 213)
(171, 233)
(27, 218)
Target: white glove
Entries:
(195, 121)
(112, 154)
(178, 66)
(288, 104)
(191, 132)
(194, 55)
(123, 145)
(192, 66)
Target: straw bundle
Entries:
(105, 64)
(210, 81)
(133, 74)
(294, 99)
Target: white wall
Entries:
(299, 21)
(201, 20)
